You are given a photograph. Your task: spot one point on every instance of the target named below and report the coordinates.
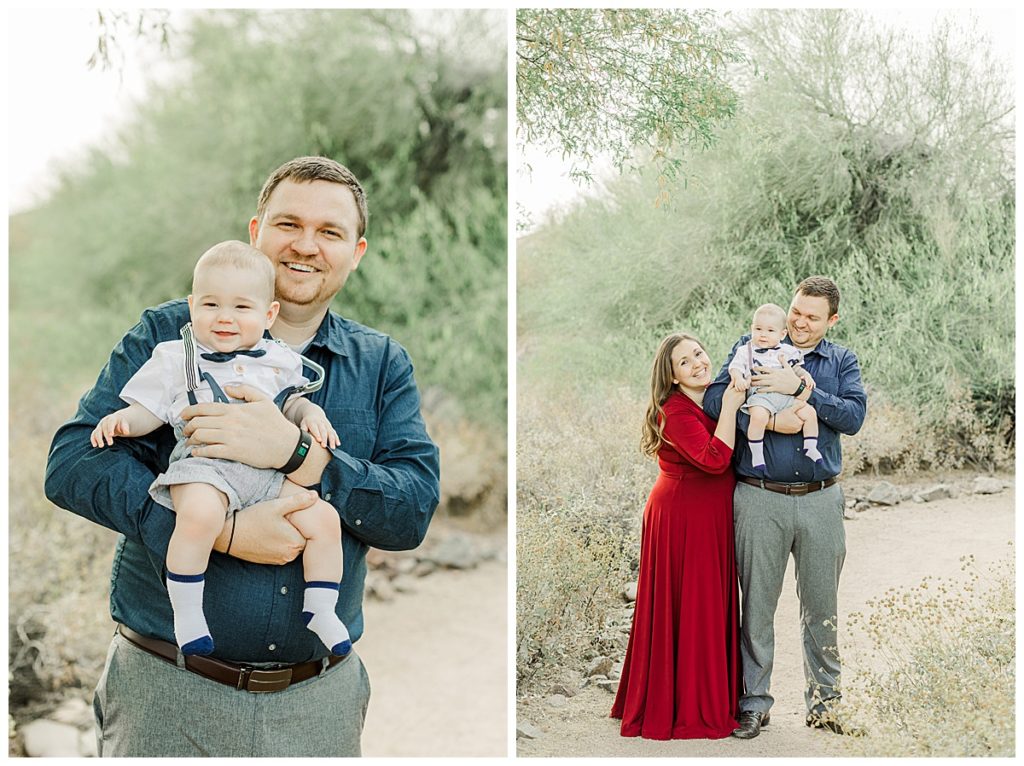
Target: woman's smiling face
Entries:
(691, 368)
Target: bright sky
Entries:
(548, 187)
(56, 104)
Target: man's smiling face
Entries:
(808, 320)
(309, 231)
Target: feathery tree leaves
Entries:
(592, 81)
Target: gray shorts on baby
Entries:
(243, 484)
(771, 402)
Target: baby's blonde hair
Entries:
(238, 255)
(772, 311)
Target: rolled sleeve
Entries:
(845, 410)
(387, 501)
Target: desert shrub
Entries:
(59, 625)
(940, 679)
(580, 497)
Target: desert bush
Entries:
(582, 486)
(940, 679)
(59, 625)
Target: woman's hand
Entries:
(732, 398)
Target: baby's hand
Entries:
(740, 383)
(114, 424)
(320, 428)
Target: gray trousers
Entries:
(145, 706)
(769, 527)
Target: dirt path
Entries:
(437, 661)
(886, 548)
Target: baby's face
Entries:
(230, 308)
(767, 331)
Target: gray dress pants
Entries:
(769, 527)
(145, 706)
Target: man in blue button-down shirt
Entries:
(796, 509)
(383, 481)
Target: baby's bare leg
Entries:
(321, 569)
(319, 524)
(199, 511)
(809, 417)
(807, 414)
(758, 423)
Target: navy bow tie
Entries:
(759, 350)
(221, 356)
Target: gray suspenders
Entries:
(194, 376)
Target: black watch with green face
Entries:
(800, 388)
(298, 454)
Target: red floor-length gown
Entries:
(681, 678)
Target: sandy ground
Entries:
(437, 661)
(885, 548)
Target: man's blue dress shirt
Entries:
(383, 480)
(838, 398)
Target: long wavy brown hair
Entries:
(653, 436)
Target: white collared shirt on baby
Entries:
(160, 385)
(783, 355)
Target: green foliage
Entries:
(128, 222)
(593, 81)
(917, 231)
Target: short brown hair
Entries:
(821, 287)
(238, 255)
(308, 169)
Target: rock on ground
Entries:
(987, 485)
(47, 739)
(885, 493)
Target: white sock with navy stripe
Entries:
(811, 448)
(757, 453)
(318, 605)
(191, 632)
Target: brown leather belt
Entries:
(228, 673)
(789, 489)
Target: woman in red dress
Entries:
(681, 678)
